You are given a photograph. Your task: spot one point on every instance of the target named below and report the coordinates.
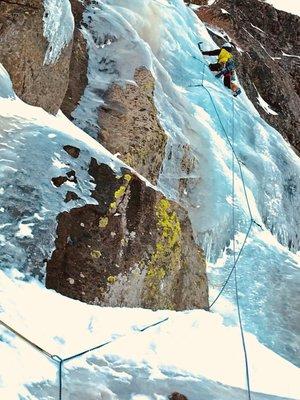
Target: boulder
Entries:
(134, 248)
(129, 125)
(22, 52)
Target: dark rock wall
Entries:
(79, 63)
(264, 33)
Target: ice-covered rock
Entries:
(119, 241)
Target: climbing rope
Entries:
(60, 361)
(252, 221)
(234, 259)
(40, 349)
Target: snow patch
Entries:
(224, 11)
(289, 55)
(265, 105)
(24, 231)
(194, 7)
(204, 346)
(256, 27)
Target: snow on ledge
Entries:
(256, 27)
(194, 7)
(290, 55)
(264, 104)
(64, 326)
(58, 28)
(224, 11)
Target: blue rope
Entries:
(60, 361)
(235, 258)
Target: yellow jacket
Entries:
(224, 56)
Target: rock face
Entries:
(22, 52)
(264, 34)
(79, 63)
(129, 125)
(134, 248)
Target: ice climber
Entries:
(225, 66)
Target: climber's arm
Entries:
(211, 52)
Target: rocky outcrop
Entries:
(22, 52)
(264, 34)
(134, 248)
(129, 125)
(79, 63)
(128, 122)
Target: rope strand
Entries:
(235, 259)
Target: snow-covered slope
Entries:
(191, 351)
(194, 352)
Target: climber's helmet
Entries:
(227, 46)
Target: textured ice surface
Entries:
(5, 84)
(58, 27)
(31, 154)
(117, 31)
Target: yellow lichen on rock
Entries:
(168, 222)
(112, 206)
(96, 253)
(111, 279)
(122, 189)
(120, 192)
(166, 259)
(103, 222)
(127, 177)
